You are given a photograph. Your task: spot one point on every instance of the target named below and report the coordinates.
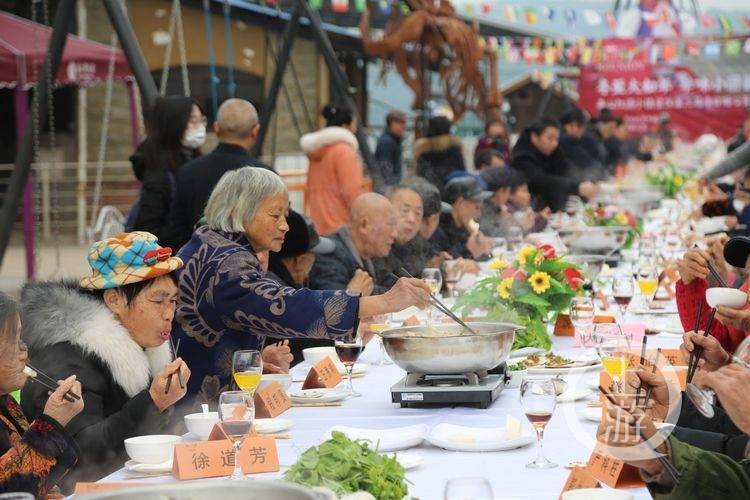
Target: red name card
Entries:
(216, 458)
(579, 478)
(323, 375)
(271, 401)
(84, 488)
(612, 471)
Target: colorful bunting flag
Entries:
(570, 16)
(611, 21)
(746, 48)
(726, 24)
(592, 17)
(486, 8)
(732, 47)
(531, 15)
(707, 21)
(359, 5)
(712, 50)
(316, 4)
(510, 13)
(384, 7)
(746, 22)
(340, 6)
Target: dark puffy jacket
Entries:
(438, 156)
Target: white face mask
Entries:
(194, 137)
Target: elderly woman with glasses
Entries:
(32, 456)
(226, 301)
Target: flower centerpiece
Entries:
(612, 216)
(529, 291)
(668, 179)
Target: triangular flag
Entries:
(510, 13)
(316, 4)
(486, 8)
(712, 50)
(707, 21)
(359, 5)
(611, 21)
(384, 7)
(469, 9)
(733, 47)
(405, 10)
(531, 15)
(746, 21)
(340, 5)
(746, 48)
(726, 24)
(570, 16)
(591, 17)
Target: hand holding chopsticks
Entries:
(175, 349)
(43, 379)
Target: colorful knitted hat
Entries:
(128, 258)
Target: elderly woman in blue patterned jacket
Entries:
(225, 301)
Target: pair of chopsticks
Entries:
(442, 307)
(42, 378)
(175, 349)
(663, 460)
(697, 353)
(715, 273)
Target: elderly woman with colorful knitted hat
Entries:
(227, 302)
(112, 332)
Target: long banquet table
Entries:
(568, 437)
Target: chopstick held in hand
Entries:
(175, 349)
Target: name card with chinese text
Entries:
(674, 356)
(323, 375)
(579, 478)
(216, 458)
(612, 471)
(85, 488)
(271, 401)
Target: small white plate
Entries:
(407, 460)
(573, 395)
(139, 468)
(525, 351)
(272, 425)
(580, 364)
(459, 438)
(318, 395)
(592, 414)
(386, 440)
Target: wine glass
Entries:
(237, 413)
(612, 348)
(452, 273)
(623, 290)
(463, 488)
(647, 282)
(538, 401)
(582, 314)
(348, 352)
(514, 237)
(703, 399)
(247, 369)
(499, 246)
(434, 280)
(380, 323)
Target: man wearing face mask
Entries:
(176, 129)
(236, 127)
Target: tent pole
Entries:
(22, 117)
(25, 153)
(83, 134)
(133, 102)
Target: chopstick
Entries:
(175, 349)
(663, 460)
(443, 308)
(653, 372)
(697, 324)
(715, 273)
(640, 363)
(49, 383)
(697, 353)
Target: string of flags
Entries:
(532, 15)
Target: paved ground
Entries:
(73, 264)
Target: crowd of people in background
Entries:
(215, 257)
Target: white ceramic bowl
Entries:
(154, 449)
(284, 379)
(201, 424)
(313, 355)
(730, 297)
(516, 377)
(597, 494)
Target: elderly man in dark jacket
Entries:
(371, 233)
(237, 129)
(458, 233)
(388, 169)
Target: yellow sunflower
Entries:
(622, 219)
(539, 282)
(524, 253)
(498, 264)
(503, 289)
(678, 180)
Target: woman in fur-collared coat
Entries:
(111, 331)
(439, 153)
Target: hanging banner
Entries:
(699, 98)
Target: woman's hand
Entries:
(714, 356)
(694, 264)
(60, 409)
(361, 284)
(407, 292)
(736, 318)
(277, 357)
(164, 400)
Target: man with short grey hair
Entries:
(236, 127)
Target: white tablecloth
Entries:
(567, 437)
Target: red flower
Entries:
(631, 219)
(600, 212)
(574, 278)
(514, 273)
(548, 251)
